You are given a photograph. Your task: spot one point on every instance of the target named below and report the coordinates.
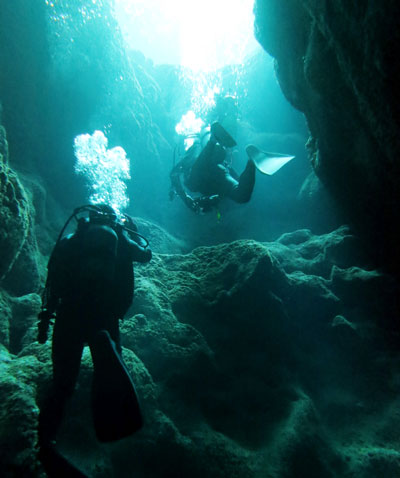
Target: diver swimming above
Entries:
(208, 171)
(89, 288)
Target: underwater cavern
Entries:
(263, 338)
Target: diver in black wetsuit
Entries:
(89, 289)
(206, 167)
(210, 174)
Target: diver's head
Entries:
(102, 214)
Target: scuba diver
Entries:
(209, 172)
(89, 288)
(206, 167)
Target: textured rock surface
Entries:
(18, 414)
(21, 263)
(337, 62)
(161, 241)
(251, 360)
(14, 211)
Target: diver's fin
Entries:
(222, 136)
(267, 163)
(56, 465)
(115, 406)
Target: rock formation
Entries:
(251, 359)
(337, 62)
(14, 211)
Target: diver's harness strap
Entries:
(95, 208)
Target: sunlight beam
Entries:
(202, 36)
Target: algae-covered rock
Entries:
(27, 273)
(5, 319)
(160, 240)
(24, 318)
(14, 211)
(21, 270)
(18, 414)
(264, 328)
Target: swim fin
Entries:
(267, 163)
(222, 136)
(115, 405)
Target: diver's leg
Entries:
(200, 168)
(242, 191)
(246, 182)
(178, 188)
(239, 191)
(67, 350)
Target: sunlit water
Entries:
(201, 37)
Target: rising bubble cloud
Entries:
(105, 170)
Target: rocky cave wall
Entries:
(337, 62)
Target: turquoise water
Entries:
(259, 355)
(85, 76)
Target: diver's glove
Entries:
(44, 317)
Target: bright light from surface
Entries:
(201, 35)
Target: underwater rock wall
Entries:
(337, 62)
(20, 264)
(14, 211)
(21, 268)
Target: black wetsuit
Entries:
(210, 176)
(90, 287)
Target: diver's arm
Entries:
(139, 250)
(178, 188)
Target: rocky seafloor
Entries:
(251, 359)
